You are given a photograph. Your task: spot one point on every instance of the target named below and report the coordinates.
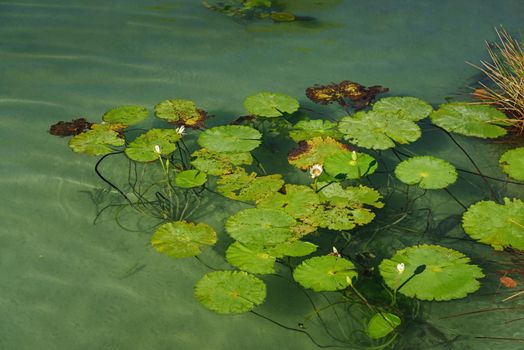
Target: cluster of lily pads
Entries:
(284, 219)
(262, 9)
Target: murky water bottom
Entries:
(67, 283)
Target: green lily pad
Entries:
(127, 115)
(499, 225)
(315, 151)
(307, 129)
(350, 165)
(253, 259)
(180, 112)
(470, 119)
(244, 187)
(190, 178)
(447, 275)
(512, 163)
(378, 130)
(143, 148)
(381, 324)
(339, 218)
(409, 108)
(230, 292)
(182, 239)
(269, 104)
(230, 138)
(354, 196)
(292, 248)
(428, 172)
(96, 141)
(215, 163)
(297, 200)
(325, 273)
(260, 226)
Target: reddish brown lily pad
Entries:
(358, 95)
(71, 128)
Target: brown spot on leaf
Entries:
(358, 95)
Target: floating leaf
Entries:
(315, 151)
(143, 148)
(215, 163)
(438, 273)
(74, 127)
(230, 138)
(244, 187)
(354, 196)
(190, 178)
(512, 163)
(127, 115)
(253, 259)
(181, 112)
(428, 172)
(325, 273)
(230, 292)
(381, 324)
(350, 165)
(499, 225)
(409, 108)
(470, 119)
(260, 226)
(359, 95)
(269, 104)
(297, 200)
(96, 141)
(378, 130)
(282, 17)
(339, 218)
(293, 248)
(182, 239)
(307, 129)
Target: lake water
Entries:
(68, 284)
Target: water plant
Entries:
(313, 224)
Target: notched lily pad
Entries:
(381, 324)
(144, 147)
(182, 239)
(512, 163)
(190, 178)
(427, 172)
(292, 248)
(270, 105)
(230, 292)
(350, 165)
(442, 273)
(296, 200)
(499, 225)
(253, 259)
(409, 108)
(307, 129)
(127, 115)
(97, 140)
(470, 119)
(248, 187)
(325, 273)
(181, 112)
(230, 138)
(315, 151)
(74, 127)
(359, 96)
(216, 163)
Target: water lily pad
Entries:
(248, 187)
(96, 141)
(512, 163)
(190, 178)
(499, 225)
(381, 324)
(127, 115)
(339, 218)
(230, 292)
(350, 165)
(378, 130)
(447, 275)
(269, 104)
(260, 226)
(182, 239)
(409, 108)
(292, 248)
(230, 138)
(215, 163)
(353, 196)
(143, 148)
(297, 200)
(470, 119)
(315, 151)
(426, 171)
(325, 273)
(253, 259)
(307, 129)
(181, 112)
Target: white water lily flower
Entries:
(181, 130)
(336, 253)
(316, 170)
(400, 267)
(157, 149)
(354, 156)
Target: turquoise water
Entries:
(69, 284)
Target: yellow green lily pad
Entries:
(325, 273)
(182, 239)
(427, 172)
